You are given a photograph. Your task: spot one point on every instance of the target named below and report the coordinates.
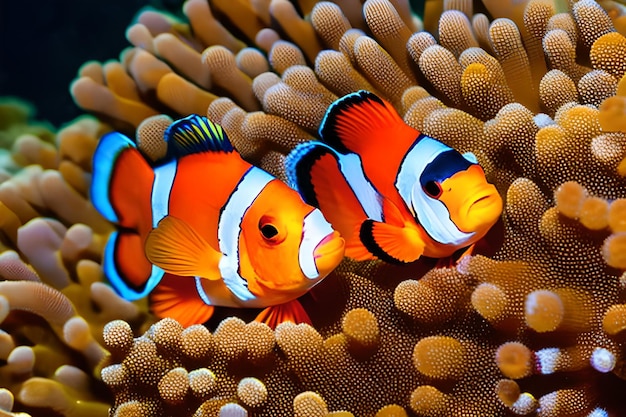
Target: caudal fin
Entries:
(337, 186)
(121, 191)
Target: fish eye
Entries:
(433, 189)
(272, 230)
(268, 231)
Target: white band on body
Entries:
(430, 213)
(229, 229)
(315, 229)
(164, 176)
(200, 289)
(368, 197)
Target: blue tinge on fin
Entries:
(298, 167)
(195, 134)
(118, 282)
(109, 149)
(303, 157)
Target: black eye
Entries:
(268, 231)
(433, 189)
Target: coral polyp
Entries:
(532, 323)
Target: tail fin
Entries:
(337, 186)
(121, 190)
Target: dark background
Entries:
(43, 43)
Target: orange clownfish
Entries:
(391, 191)
(203, 228)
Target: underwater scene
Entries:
(378, 208)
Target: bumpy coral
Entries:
(54, 302)
(532, 324)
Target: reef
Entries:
(533, 323)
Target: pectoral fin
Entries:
(178, 249)
(390, 243)
(291, 311)
(177, 298)
(355, 247)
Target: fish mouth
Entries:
(483, 211)
(487, 200)
(329, 252)
(482, 201)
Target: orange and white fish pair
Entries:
(204, 228)
(392, 192)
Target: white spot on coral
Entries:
(543, 120)
(548, 359)
(232, 410)
(462, 266)
(525, 404)
(598, 412)
(602, 360)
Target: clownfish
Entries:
(392, 192)
(203, 228)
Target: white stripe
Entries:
(352, 170)
(164, 176)
(430, 213)
(229, 229)
(160, 198)
(414, 163)
(315, 229)
(470, 157)
(200, 289)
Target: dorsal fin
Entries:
(195, 134)
(361, 121)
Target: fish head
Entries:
(473, 204)
(289, 244)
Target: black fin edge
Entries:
(326, 130)
(301, 171)
(367, 238)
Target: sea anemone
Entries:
(533, 323)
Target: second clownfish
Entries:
(204, 228)
(392, 192)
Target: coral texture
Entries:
(534, 323)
